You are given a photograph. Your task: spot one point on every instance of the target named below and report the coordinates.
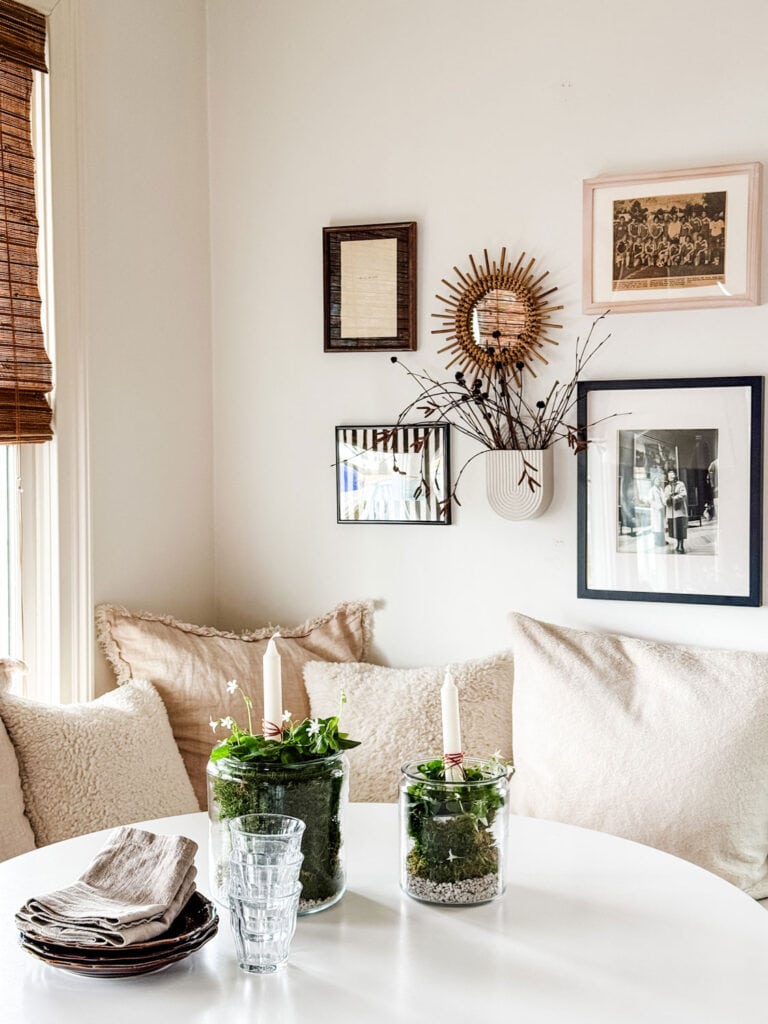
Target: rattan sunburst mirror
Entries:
(497, 313)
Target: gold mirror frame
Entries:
(529, 291)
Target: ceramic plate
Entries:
(122, 968)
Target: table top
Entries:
(591, 929)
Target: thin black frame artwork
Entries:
(394, 474)
(670, 490)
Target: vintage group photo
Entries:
(679, 237)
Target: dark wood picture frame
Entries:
(623, 417)
(371, 306)
(394, 473)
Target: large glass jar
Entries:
(453, 834)
(315, 791)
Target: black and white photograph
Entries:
(679, 239)
(663, 240)
(667, 492)
(670, 490)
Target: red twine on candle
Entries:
(271, 731)
(453, 760)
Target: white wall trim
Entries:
(45, 7)
(71, 408)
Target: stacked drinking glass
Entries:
(264, 888)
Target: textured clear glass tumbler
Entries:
(263, 929)
(255, 832)
(253, 878)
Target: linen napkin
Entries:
(131, 892)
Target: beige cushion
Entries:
(396, 714)
(663, 744)
(191, 665)
(92, 766)
(16, 834)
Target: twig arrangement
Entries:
(493, 410)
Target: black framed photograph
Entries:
(670, 490)
(683, 239)
(369, 286)
(393, 474)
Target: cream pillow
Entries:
(663, 744)
(396, 715)
(191, 665)
(91, 766)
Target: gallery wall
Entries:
(479, 122)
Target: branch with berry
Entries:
(493, 410)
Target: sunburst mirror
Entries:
(498, 313)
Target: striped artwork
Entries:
(391, 474)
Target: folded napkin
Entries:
(132, 891)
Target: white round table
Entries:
(591, 929)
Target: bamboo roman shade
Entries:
(26, 374)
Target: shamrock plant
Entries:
(300, 741)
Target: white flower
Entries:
(451, 857)
(496, 755)
(231, 685)
(286, 716)
(227, 722)
(314, 727)
(213, 724)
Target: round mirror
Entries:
(498, 318)
(497, 314)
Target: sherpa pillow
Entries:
(396, 714)
(91, 766)
(191, 665)
(663, 744)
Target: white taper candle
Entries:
(272, 725)
(449, 698)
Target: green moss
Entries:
(451, 826)
(311, 792)
(451, 850)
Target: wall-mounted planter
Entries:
(507, 484)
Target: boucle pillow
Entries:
(396, 714)
(91, 766)
(191, 665)
(659, 743)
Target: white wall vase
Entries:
(507, 486)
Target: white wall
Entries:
(479, 122)
(138, 121)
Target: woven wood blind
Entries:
(26, 374)
(22, 35)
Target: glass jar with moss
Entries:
(304, 774)
(453, 833)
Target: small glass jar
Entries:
(315, 791)
(453, 834)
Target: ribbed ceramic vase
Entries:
(507, 482)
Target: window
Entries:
(28, 607)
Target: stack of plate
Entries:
(196, 924)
